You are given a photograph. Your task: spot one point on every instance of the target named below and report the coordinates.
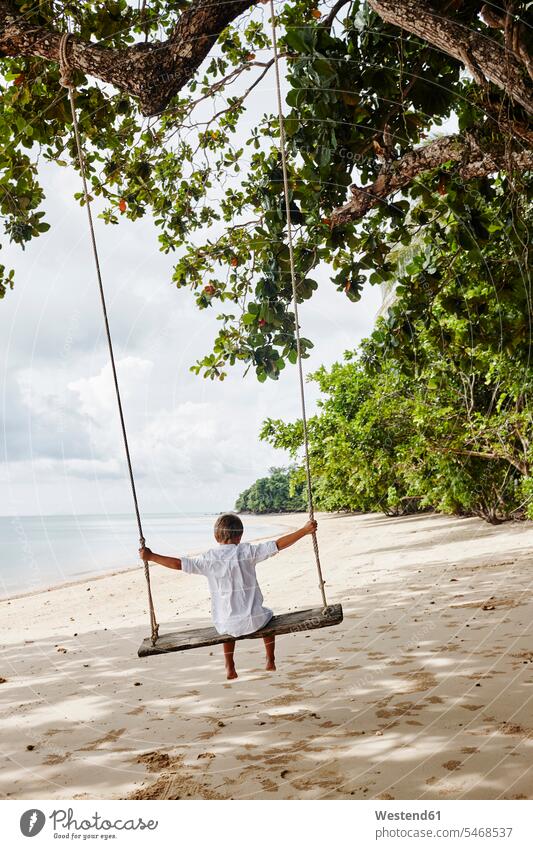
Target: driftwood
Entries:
(286, 623)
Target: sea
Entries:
(39, 552)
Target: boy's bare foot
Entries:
(270, 648)
(229, 648)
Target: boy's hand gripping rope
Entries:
(282, 145)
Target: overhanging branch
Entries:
(152, 72)
(396, 175)
(482, 55)
(155, 72)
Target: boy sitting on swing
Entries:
(236, 599)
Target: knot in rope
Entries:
(66, 77)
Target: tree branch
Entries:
(152, 72)
(474, 162)
(155, 72)
(519, 465)
(514, 32)
(330, 20)
(484, 56)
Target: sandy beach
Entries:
(424, 691)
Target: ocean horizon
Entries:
(44, 551)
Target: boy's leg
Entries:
(270, 646)
(229, 648)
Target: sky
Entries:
(194, 442)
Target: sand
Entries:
(424, 692)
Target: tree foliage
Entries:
(434, 410)
(362, 95)
(277, 493)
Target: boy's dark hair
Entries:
(228, 528)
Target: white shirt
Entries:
(236, 600)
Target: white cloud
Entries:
(93, 469)
(194, 442)
(96, 394)
(178, 442)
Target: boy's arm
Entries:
(170, 562)
(289, 539)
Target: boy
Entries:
(236, 600)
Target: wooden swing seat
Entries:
(286, 623)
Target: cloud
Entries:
(39, 421)
(96, 397)
(182, 441)
(93, 469)
(194, 442)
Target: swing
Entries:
(285, 623)
(296, 621)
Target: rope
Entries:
(66, 81)
(282, 139)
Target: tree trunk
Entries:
(484, 57)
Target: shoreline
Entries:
(423, 692)
(98, 576)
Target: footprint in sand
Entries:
(154, 761)
(512, 729)
(451, 765)
(111, 737)
(52, 760)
